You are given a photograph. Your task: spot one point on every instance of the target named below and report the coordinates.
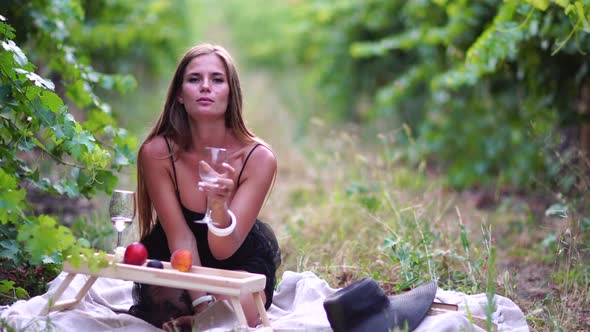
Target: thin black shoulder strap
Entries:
(245, 161)
(173, 167)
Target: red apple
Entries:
(135, 254)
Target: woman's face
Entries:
(205, 88)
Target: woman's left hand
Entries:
(183, 323)
(222, 187)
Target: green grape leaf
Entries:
(85, 139)
(6, 286)
(125, 83)
(539, 4)
(98, 121)
(11, 198)
(582, 16)
(21, 293)
(84, 243)
(43, 236)
(36, 79)
(105, 181)
(18, 54)
(79, 93)
(7, 182)
(51, 101)
(9, 248)
(562, 3)
(121, 159)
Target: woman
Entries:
(203, 108)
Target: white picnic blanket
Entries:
(297, 306)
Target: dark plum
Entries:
(155, 264)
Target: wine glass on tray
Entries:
(210, 169)
(122, 208)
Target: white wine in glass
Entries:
(210, 171)
(122, 209)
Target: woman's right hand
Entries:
(222, 187)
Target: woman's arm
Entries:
(246, 203)
(155, 162)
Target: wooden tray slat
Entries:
(198, 278)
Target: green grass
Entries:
(359, 217)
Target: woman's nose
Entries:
(205, 85)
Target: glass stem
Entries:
(118, 239)
(208, 211)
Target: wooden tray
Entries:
(216, 281)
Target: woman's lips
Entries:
(204, 101)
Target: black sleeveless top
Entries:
(259, 253)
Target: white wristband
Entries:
(224, 231)
(203, 299)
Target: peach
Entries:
(181, 260)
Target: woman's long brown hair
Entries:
(173, 123)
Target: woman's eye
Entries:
(218, 80)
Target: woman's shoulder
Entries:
(156, 147)
(262, 154)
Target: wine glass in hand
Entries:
(210, 169)
(122, 211)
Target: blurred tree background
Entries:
(491, 95)
(495, 93)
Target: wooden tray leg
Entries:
(85, 288)
(66, 304)
(57, 294)
(238, 310)
(260, 305)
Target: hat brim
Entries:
(412, 306)
(363, 306)
(380, 321)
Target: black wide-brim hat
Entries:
(364, 306)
